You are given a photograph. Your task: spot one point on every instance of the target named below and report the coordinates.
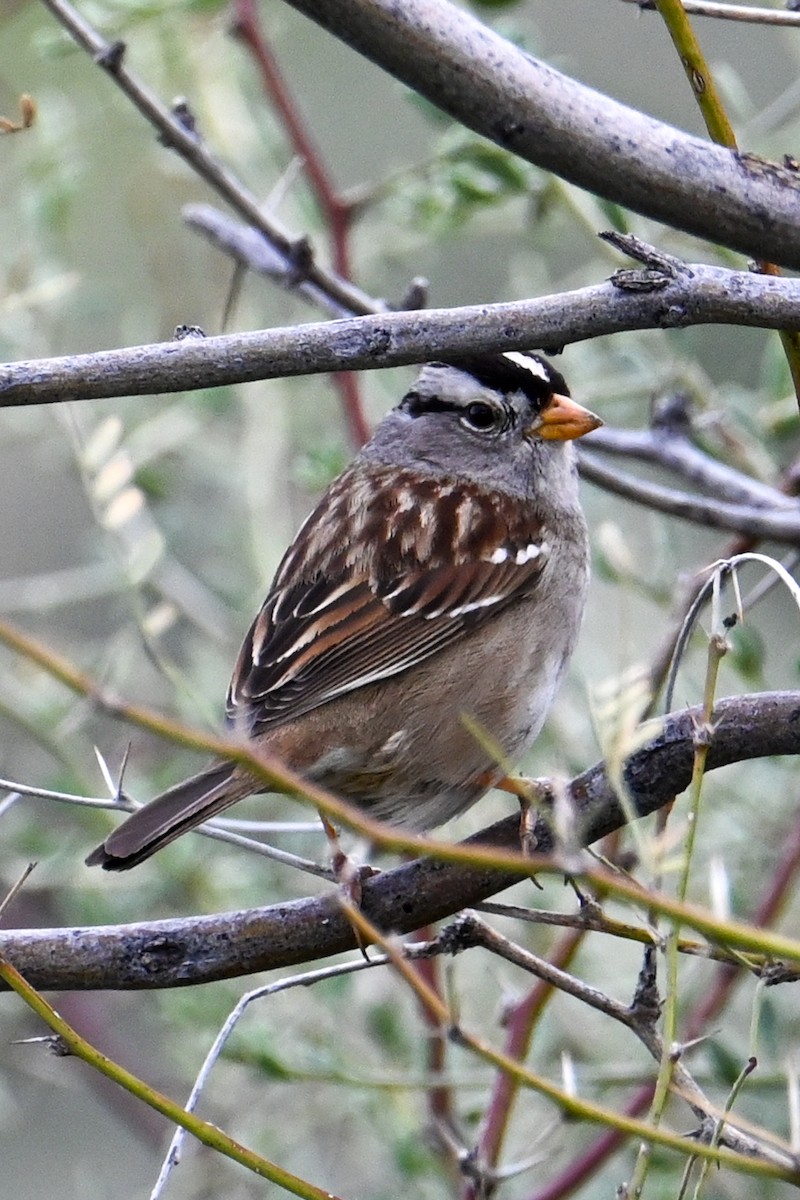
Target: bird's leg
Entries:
(533, 794)
(348, 874)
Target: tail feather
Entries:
(169, 815)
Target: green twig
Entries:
(729, 933)
(208, 1134)
(697, 72)
(720, 130)
(745, 1072)
(717, 649)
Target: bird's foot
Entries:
(349, 875)
(533, 795)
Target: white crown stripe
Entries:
(528, 363)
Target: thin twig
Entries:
(177, 130)
(720, 130)
(720, 571)
(779, 1164)
(249, 248)
(780, 526)
(698, 1022)
(639, 1016)
(728, 12)
(12, 893)
(520, 1023)
(595, 919)
(206, 1133)
(676, 453)
(224, 831)
(337, 214)
(305, 979)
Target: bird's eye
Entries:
(481, 416)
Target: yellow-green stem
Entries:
(734, 935)
(697, 72)
(206, 1133)
(746, 1071)
(720, 130)
(717, 648)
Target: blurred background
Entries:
(138, 537)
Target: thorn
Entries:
(111, 56)
(53, 1041)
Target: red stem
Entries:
(521, 1024)
(336, 212)
(439, 1097)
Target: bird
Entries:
(437, 589)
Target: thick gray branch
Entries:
(183, 951)
(696, 295)
(522, 104)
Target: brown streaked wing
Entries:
(313, 642)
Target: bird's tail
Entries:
(169, 815)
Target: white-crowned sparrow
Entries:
(442, 574)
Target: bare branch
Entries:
(729, 12)
(675, 452)
(522, 104)
(249, 248)
(177, 130)
(179, 952)
(698, 295)
(778, 526)
(219, 830)
(306, 979)
(640, 1017)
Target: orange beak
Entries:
(562, 419)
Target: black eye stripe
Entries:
(497, 418)
(532, 376)
(415, 404)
